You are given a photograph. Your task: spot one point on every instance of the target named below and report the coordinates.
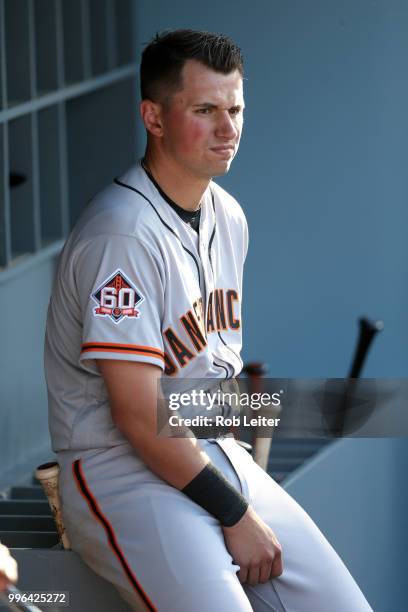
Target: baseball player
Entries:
(149, 286)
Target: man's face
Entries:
(202, 122)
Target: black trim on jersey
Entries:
(212, 269)
(191, 217)
(227, 375)
(109, 532)
(229, 348)
(213, 232)
(118, 182)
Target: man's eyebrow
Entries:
(210, 105)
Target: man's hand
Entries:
(254, 547)
(8, 568)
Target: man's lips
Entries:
(223, 149)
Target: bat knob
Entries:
(255, 368)
(47, 470)
(371, 327)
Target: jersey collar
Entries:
(137, 178)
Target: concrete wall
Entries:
(24, 437)
(355, 490)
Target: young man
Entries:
(149, 285)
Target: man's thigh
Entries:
(146, 537)
(314, 577)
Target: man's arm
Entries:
(132, 389)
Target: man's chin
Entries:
(221, 167)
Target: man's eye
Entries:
(235, 111)
(204, 111)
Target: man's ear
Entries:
(151, 114)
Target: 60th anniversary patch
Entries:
(117, 298)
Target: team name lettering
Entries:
(221, 310)
(181, 352)
(170, 367)
(193, 330)
(222, 314)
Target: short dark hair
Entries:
(164, 57)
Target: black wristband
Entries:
(213, 492)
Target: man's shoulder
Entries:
(227, 203)
(120, 208)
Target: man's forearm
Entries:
(133, 391)
(183, 464)
(175, 460)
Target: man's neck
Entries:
(184, 189)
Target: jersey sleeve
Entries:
(246, 239)
(120, 287)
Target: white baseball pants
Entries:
(157, 546)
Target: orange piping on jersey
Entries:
(123, 352)
(111, 347)
(113, 543)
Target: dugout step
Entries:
(302, 448)
(25, 507)
(33, 492)
(15, 522)
(287, 455)
(29, 539)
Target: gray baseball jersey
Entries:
(136, 282)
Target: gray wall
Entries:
(321, 174)
(24, 437)
(99, 143)
(358, 497)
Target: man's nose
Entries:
(226, 126)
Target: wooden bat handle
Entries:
(262, 445)
(48, 474)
